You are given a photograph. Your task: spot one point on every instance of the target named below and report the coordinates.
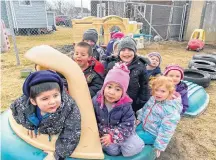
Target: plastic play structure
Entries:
(5, 44)
(104, 27)
(197, 40)
(18, 145)
(198, 99)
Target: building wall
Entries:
(194, 18)
(33, 16)
(209, 21)
(4, 16)
(201, 14)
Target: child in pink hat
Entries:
(177, 74)
(115, 116)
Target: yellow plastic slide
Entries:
(89, 146)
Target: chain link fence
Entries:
(41, 22)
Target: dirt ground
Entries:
(195, 138)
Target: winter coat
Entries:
(154, 73)
(160, 119)
(66, 121)
(94, 80)
(109, 59)
(138, 88)
(98, 66)
(182, 88)
(109, 48)
(98, 53)
(119, 122)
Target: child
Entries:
(153, 69)
(138, 85)
(114, 114)
(115, 37)
(46, 108)
(160, 115)
(113, 57)
(83, 57)
(177, 74)
(91, 37)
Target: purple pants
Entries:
(130, 147)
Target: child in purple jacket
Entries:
(115, 116)
(177, 74)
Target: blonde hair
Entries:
(163, 81)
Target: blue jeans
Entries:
(130, 147)
(147, 137)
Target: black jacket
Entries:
(94, 80)
(138, 89)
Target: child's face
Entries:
(112, 92)
(161, 93)
(90, 42)
(175, 75)
(48, 101)
(154, 61)
(126, 55)
(81, 56)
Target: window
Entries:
(25, 2)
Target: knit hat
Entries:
(118, 35)
(127, 42)
(119, 74)
(41, 77)
(156, 54)
(174, 67)
(91, 34)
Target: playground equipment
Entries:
(104, 27)
(5, 44)
(140, 39)
(198, 99)
(89, 146)
(197, 40)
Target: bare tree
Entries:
(63, 7)
(49, 6)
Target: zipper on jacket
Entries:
(148, 114)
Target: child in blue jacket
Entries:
(160, 115)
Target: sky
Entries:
(86, 3)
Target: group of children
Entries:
(119, 90)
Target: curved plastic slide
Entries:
(198, 99)
(89, 146)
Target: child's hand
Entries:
(106, 140)
(137, 122)
(157, 153)
(32, 134)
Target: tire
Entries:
(202, 63)
(196, 76)
(210, 70)
(206, 57)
